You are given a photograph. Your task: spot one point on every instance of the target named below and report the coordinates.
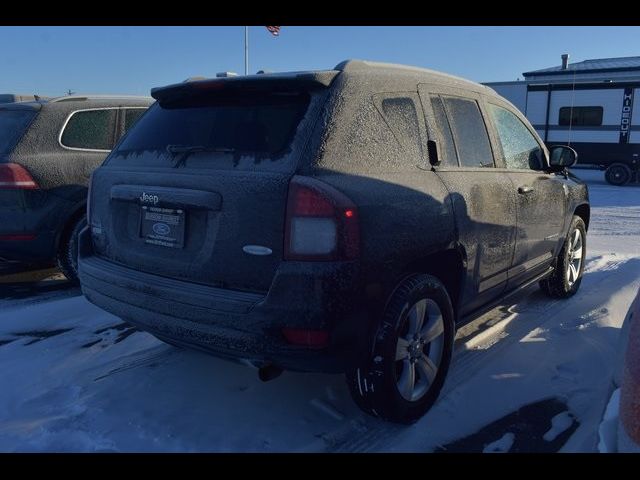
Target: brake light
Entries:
(208, 85)
(306, 338)
(321, 223)
(14, 176)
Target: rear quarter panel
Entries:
(404, 209)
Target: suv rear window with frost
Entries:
(13, 124)
(259, 126)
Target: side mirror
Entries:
(561, 157)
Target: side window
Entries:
(402, 117)
(90, 129)
(519, 146)
(131, 116)
(469, 132)
(580, 116)
(447, 153)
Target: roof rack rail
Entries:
(69, 98)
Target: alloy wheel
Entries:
(575, 257)
(419, 349)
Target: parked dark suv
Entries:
(335, 221)
(48, 149)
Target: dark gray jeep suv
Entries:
(337, 221)
(48, 149)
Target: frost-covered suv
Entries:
(48, 149)
(337, 221)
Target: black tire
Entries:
(374, 384)
(617, 174)
(67, 257)
(563, 282)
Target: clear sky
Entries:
(51, 60)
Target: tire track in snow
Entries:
(148, 357)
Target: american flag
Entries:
(275, 31)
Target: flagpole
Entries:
(246, 50)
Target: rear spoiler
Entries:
(271, 82)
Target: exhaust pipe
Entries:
(269, 372)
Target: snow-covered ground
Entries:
(74, 378)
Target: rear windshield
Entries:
(197, 131)
(13, 124)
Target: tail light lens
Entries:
(16, 177)
(321, 223)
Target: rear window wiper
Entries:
(187, 150)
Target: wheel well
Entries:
(631, 166)
(584, 212)
(78, 213)
(448, 267)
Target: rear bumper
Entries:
(39, 249)
(230, 323)
(37, 216)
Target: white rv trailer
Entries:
(589, 106)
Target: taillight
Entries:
(321, 223)
(14, 176)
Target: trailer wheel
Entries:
(618, 174)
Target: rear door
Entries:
(541, 196)
(481, 196)
(200, 178)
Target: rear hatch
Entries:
(197, 190)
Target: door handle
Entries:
(525, 189)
